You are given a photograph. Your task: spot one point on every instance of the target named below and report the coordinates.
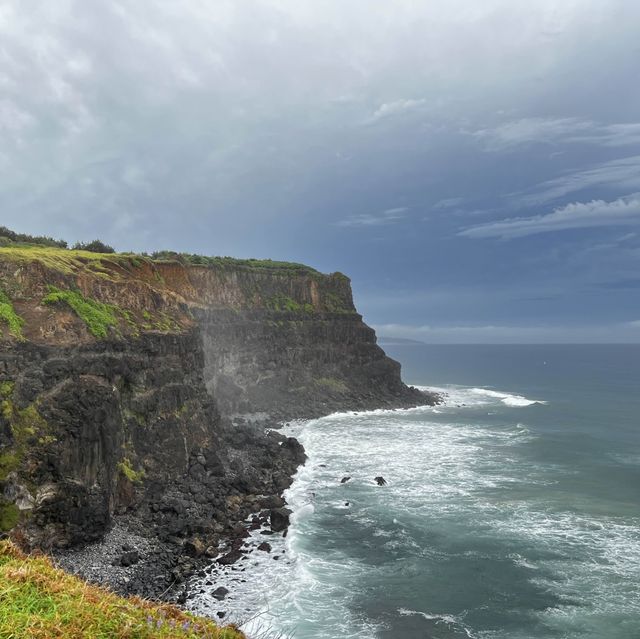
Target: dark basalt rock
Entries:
(194, 547)
(129, 558)
(265, 546)
(272, 501)
(344, 480)
(381, 481)
(280, 519)
(230, 558)
(220, 593)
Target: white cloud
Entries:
(619, 174)
(448, 203)
(578, 215)
(529, 130)
(390, 216)
(621, 333)
(389, 109)
(525, 131)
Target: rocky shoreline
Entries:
(138, 557)
(140, 400)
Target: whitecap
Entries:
(450, 620)
(508, 399)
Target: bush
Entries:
(97, 246)
(8, 236)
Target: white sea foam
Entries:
(462, 396)
(451, 621)
(506, 398)
(444, 472)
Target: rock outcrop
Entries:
(139, 390)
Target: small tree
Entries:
(97, 246)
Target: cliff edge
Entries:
(136, 391)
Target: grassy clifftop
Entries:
(39, 601)
(45, 289)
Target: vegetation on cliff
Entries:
(98, 317)
(234, 262)
(7, 237)
(9, 316)
(41, 602)
(121, 295)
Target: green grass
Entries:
(9, 516)
(233, 262)
(336, 304)
(286, 304)
(38, 601)
(27, 428)
(97, 316)
(71, 261)
(10, 317)
(126, 469)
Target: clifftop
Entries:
(56, 295)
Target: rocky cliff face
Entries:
(140, 389)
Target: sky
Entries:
(474, 167)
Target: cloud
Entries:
(390, 216)
(448, 203)
(616, 333)
(529, 130)
(579, 215)
(389, 109)
(619, 174)
(556, 131)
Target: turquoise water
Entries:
(513, 511)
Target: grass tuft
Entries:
(282, 303)
(40, 601)
(10, 317)
(97, 316)
(126, 469)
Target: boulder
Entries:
(129, 558)
(220, 593)
(279, 519)
(272, 501)
(194, 547)
(230, 558)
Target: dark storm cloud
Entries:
(398, 142)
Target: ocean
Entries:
(512, 511)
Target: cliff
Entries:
(138, 390)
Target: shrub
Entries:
(96, 246)
(7, 236)
(233, 262)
